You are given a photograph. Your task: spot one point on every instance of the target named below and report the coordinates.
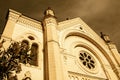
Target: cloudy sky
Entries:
(100, 15)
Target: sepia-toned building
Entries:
(67, 50)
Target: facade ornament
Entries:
(105, 37)
(49, 12)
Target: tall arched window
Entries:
(25, 44)
(24, 49)
(33, 54)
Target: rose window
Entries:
(87, 60)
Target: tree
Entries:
(11, 59)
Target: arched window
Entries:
(25, 44)
(24, 49)
(33, 54)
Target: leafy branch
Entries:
(11, 59)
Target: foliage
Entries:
(11, 59)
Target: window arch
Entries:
(34, 54)
(25, 44)
(24, 49)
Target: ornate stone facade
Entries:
(68, 50)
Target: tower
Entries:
(52, 56)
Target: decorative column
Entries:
(52, 58)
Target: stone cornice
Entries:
(13, 15)
(23, 20)
(68, 23)
(29, 22)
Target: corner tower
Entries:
(52, 57)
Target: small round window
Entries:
(31, 37)
(87, 60)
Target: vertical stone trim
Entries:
(116, 56)
(115, 53)
(8, 31)
(12, 19)
(52, 58)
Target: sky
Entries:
(100, 15)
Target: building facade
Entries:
(67, 50)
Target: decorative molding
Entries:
(23, 20)
(111, 46)
(79, 76)
(68, 23)
(49, 22)
(29, 22)
(13, 15)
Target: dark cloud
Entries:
(100, 15)
(108, 21)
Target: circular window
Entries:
(87, 60)
(31, 37)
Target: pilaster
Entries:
(115, 56)
(52, 58)
(12, 18)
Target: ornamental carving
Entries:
(87, 60)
